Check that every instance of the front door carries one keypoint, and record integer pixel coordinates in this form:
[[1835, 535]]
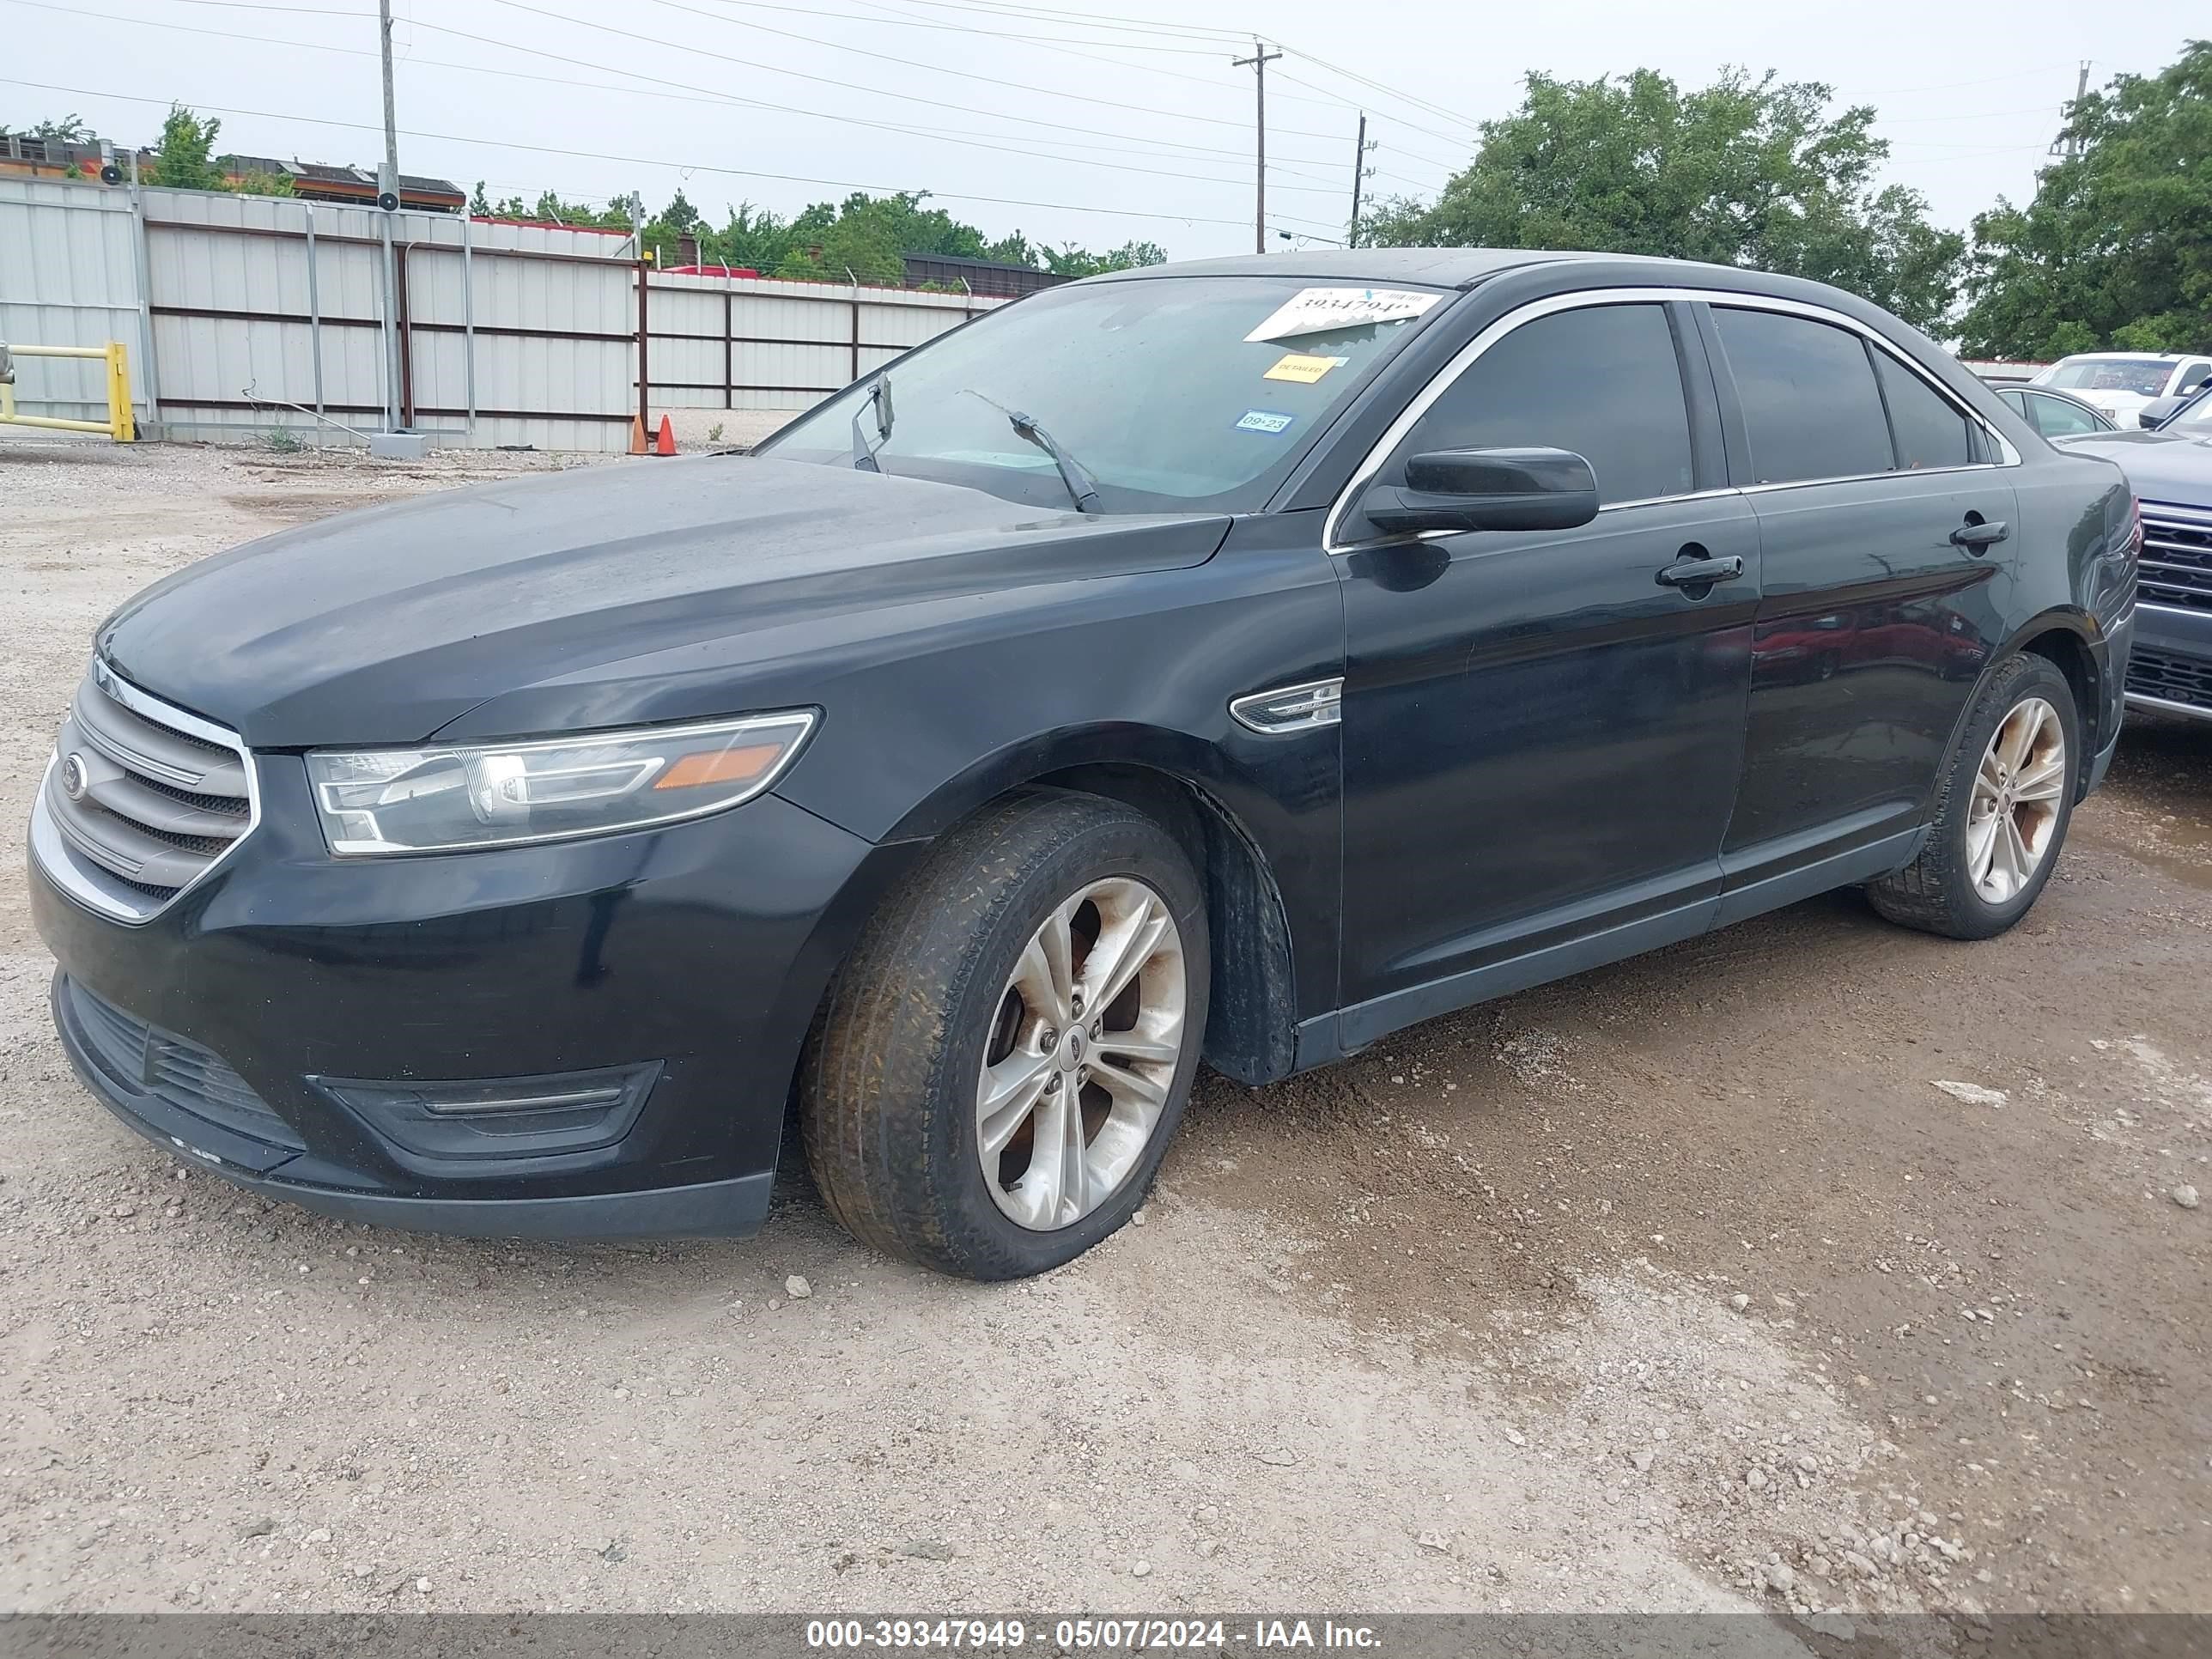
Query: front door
[[1541, 734]]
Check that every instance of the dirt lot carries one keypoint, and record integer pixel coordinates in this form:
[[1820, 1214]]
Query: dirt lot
[[1683, 1284]]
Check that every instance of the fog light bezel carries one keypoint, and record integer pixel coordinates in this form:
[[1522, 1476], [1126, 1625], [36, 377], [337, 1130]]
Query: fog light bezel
[[484, 1120]]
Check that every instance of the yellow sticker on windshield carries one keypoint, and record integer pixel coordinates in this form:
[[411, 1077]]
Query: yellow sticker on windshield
[[1297, 366]]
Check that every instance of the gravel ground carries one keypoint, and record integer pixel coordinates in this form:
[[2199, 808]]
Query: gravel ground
[[1812, 1266]]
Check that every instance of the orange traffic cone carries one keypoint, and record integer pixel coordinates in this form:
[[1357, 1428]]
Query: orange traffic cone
[[637, 434], [664, 442]]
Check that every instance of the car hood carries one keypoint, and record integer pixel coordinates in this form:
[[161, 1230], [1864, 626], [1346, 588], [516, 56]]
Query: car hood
[[385, 625], [2161, 466]]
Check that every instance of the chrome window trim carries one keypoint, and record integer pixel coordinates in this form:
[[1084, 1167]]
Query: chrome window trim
[[1582, 299], [51, 851]]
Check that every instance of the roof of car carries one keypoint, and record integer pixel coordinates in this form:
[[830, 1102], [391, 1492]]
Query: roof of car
[[1441, 267], [2121, 357]]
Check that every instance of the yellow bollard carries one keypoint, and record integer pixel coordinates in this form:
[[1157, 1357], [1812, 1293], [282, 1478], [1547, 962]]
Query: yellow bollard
[[120, 426]]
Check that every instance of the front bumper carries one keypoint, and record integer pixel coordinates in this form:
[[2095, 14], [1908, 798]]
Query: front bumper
[[2171, 672], [699, 950]]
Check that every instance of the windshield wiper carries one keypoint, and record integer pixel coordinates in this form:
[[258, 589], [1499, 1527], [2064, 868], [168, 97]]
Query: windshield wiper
[[878, 399], [1080, 484]]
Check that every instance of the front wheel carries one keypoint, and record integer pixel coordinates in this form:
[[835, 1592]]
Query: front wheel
[[999, 1068], [2001, 810]]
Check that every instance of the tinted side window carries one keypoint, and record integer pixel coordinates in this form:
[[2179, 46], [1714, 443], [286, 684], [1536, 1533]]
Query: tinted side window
[[2054, 417], [1601, 381], [1930, 431], [1811, 409]]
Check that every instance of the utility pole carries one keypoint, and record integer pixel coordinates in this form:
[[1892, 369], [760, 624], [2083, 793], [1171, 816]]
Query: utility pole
[[390, 182], [2071, 143], [1360, 172], [1258, 60]]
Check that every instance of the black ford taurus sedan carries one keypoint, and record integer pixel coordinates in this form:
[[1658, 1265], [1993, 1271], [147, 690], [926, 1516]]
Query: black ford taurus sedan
[[1235, 661]]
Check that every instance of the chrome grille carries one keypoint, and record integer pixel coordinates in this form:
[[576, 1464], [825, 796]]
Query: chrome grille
[[140, 800], [2170, 679], [2176, 566]]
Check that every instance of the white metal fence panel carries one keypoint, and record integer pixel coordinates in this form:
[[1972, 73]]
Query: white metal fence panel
[[262, 308], [68, 277], [538, 343], [246, 315], [756, 344]]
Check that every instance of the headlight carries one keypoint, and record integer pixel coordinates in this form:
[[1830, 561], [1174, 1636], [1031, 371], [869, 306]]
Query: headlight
[[449, 798]]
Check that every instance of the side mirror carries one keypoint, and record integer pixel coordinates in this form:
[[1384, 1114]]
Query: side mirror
[[2158, 411], [1487, 490]]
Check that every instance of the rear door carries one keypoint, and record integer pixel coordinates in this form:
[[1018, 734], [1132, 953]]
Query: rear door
[[1884, 522], [1540, 731]]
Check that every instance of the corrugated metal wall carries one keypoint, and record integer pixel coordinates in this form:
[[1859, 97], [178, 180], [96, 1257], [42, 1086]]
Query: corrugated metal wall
[[747, 342], [551, 314], [260, 309], [68, 277]]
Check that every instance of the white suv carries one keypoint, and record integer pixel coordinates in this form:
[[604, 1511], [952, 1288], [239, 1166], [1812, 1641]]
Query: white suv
[[2121, 382]]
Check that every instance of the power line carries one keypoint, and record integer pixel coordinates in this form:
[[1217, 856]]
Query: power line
[[629, 161], [1411, 126], [1881, 120], [1067, 19], [1983, 81], [1067, 49], [1198, 151], [1046, 14], [903, 62], [971, 29], [1388, 91], [816, 40], [995, 142]]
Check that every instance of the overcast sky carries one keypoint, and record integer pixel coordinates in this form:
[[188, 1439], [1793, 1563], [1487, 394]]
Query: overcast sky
[[1085, 130]]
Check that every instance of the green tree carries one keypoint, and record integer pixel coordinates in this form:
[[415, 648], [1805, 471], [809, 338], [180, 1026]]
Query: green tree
[[1073, 261], [69, 129], [184, 159], [2115, 251], [479, 203], [252, 184], [550, 208], [865, 238], [753, 240], [1744, 172]]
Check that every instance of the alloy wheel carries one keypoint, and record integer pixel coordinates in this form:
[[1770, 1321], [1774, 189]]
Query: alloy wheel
[[2012, 819], [1082, 1053]]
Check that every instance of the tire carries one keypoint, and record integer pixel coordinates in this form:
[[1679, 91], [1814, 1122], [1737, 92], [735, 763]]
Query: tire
[[1939, 891], [954, 973]]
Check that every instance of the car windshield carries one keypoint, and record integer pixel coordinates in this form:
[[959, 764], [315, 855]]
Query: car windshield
[[2145, 379], [1161, 394], [2195, 417]]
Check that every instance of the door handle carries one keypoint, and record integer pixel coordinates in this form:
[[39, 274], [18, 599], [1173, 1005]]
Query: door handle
[[1700, 572], [1976, 537]]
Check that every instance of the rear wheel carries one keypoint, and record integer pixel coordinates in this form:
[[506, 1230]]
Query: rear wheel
[[2001, 810], [999, 1069]]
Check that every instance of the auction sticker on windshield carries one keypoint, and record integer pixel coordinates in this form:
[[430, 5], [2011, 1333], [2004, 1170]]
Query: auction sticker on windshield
[[1319, 310], [1297, 366]]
